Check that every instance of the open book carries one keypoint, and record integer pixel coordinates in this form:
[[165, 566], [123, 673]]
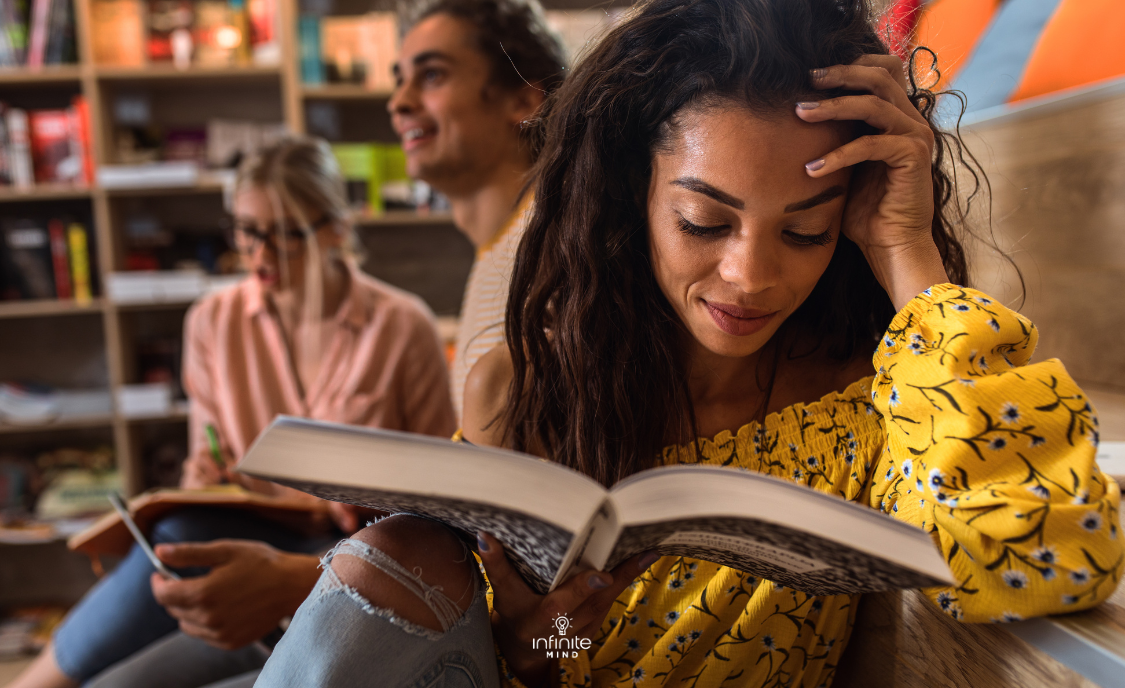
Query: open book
[[109, 536], [554, 521]]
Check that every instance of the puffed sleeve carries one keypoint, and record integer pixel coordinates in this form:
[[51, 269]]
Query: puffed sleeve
[[994, 457]]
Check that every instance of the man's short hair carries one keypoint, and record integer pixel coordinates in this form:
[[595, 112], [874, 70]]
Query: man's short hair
[[512, 34]]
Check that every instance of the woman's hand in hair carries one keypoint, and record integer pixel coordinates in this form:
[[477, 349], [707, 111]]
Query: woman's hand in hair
[[890, 207], [520, 615]]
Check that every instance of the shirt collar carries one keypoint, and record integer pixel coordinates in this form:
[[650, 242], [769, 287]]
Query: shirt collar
[[514, 218], [354, 311]]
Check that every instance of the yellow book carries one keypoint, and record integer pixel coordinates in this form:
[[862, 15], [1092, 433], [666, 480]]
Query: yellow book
[[79, 262]]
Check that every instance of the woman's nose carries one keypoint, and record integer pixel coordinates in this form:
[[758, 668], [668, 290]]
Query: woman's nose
[[750, 264]]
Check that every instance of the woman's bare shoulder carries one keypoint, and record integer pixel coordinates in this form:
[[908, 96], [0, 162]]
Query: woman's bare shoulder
[[486, 394]]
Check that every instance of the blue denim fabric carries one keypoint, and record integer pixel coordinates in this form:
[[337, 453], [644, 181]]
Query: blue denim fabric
[[119, 616], [337, 638]]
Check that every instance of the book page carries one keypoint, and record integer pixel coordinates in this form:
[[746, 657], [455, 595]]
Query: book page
[[793, 558], [535, 547]]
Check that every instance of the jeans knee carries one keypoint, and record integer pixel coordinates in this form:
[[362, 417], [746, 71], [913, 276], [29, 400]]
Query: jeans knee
[[414, 566], [183, 525]]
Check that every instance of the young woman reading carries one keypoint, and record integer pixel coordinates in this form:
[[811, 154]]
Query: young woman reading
[[736, 205]]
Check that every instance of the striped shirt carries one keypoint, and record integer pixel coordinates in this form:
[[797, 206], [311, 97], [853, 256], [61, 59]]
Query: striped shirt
[[486, 296]]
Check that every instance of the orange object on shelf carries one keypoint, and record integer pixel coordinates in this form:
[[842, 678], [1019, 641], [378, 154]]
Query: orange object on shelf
[[952, 28], [1080, 45]]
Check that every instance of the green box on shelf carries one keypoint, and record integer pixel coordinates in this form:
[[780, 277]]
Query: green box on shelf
[[360, 166]]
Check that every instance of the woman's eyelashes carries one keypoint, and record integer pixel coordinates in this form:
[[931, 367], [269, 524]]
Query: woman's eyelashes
[[693, 229], [822, 239]]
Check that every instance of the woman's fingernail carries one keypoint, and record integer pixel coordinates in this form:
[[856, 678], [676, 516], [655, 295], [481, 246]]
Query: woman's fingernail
[[814, 165], [482, 544], [809, 105], [818, 73], [648, 560], [597, 582]]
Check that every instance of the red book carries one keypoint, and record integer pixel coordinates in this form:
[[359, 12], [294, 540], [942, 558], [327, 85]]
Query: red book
[[59, 258], [49, 132], [79, 115]]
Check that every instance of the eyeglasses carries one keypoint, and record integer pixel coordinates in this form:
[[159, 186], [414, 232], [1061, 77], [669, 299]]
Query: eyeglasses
[[247, 237]]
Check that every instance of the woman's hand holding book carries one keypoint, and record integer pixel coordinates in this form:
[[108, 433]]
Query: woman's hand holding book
[[520, 615]]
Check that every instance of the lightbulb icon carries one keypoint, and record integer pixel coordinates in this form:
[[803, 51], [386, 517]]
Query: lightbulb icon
[[562, 622]]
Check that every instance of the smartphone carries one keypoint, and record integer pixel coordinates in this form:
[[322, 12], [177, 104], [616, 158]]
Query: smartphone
[[119, 505]]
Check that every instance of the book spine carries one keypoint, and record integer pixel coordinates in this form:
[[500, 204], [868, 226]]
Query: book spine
[[59, 258], [60, 34], [79, 263], [312, 66], [48, 134], [5, 149], [37, 41], [20, 148], [79, 120]]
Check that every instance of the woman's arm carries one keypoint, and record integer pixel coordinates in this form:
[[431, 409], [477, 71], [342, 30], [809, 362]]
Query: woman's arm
[[519, 614], [995, 459], [199, 469]]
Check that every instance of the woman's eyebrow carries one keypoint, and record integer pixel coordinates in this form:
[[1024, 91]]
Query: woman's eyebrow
[[699, 186], [822, 197]]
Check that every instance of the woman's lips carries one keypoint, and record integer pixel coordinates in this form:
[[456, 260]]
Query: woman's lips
[[738, 322], [266, 277]]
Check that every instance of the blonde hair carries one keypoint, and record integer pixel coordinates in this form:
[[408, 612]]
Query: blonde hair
[[302, 180], [302, 175]]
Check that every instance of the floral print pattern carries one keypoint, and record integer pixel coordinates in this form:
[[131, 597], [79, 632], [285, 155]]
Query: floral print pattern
[[957, 434]]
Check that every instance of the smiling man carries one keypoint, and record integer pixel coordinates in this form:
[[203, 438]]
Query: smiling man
[[469, 75]]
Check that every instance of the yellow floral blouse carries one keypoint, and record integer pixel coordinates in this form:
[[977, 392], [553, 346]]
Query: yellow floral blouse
[[957, 434]]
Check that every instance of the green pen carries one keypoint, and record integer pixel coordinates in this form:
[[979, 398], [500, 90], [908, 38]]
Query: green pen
[[216, 452]]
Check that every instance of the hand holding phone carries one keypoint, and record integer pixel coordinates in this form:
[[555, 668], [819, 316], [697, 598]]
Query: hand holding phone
[[123, 511]]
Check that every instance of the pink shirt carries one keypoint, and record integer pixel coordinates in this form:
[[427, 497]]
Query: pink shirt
[[383, 366]]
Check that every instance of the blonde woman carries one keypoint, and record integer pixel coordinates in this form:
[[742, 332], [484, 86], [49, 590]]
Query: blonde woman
[[305, 334]]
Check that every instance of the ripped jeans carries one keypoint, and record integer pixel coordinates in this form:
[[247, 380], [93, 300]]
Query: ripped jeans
[[337, 638]]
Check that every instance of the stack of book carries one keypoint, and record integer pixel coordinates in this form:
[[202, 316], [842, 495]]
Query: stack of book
[[349, 49], [44, 258], [45, 146], [211, 33], [34, 33]]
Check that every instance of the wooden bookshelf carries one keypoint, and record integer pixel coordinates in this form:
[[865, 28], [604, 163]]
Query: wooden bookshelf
[[342, 92], [75, 424], [191, 96], [168, 73], [401, 218], [48, 307], [56, 74], [43, 192]]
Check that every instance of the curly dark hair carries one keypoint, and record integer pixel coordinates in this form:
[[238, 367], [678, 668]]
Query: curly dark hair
[[512, 34], [600, 370]]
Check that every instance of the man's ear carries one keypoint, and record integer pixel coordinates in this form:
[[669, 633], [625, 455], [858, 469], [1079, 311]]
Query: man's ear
[[525, 103]]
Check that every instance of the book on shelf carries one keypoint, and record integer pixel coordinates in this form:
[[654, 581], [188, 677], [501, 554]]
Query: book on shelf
[[554, 521], [45, 35], [13, 33], [308, 39], [18, 145], [51, 150], [80, 275], [110, 536], [45, 146], [168, 22], [60, 259], [39, 261], [359, 49], [117, 32], [28, 264]]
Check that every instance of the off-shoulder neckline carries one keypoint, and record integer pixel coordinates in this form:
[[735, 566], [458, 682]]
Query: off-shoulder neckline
[[778, 418]]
